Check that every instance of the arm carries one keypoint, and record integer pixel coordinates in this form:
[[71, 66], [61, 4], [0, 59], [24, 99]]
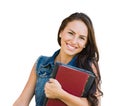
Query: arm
[[28, 91], [72, 100], [54, 90]]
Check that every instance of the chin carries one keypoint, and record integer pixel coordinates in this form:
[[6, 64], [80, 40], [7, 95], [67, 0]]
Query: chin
[[70, 53]]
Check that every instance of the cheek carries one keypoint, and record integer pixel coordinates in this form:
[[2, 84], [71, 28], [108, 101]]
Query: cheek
[[63, 40], [66, 36], [82, 44]]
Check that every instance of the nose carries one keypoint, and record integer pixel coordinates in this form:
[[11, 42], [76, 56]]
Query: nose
[[75, 40]]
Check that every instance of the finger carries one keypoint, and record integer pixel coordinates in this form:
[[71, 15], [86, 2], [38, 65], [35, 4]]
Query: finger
[[51, 80], [46, 85]]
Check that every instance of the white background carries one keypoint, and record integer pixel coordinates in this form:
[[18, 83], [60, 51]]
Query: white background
[[28, 28]]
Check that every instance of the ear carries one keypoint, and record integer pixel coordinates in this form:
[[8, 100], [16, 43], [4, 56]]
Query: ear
[[60, 35], [84, 46]]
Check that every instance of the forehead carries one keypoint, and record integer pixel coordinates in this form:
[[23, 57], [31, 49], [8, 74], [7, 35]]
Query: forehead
[[78, 26]]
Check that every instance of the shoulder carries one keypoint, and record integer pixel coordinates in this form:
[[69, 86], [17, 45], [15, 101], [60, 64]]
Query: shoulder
[[47, 59], [42, 60]]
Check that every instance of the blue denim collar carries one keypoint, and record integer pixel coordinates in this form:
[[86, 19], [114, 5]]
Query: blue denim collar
[[52, 58]]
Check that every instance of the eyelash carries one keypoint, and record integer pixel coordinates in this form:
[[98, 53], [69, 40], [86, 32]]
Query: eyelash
[[79, 37], [70, 33], [82, 38]]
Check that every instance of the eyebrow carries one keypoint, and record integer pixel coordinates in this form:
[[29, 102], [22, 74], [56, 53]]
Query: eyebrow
[[75, 33]]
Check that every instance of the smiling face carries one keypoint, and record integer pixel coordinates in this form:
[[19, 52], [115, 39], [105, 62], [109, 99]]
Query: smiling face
[[73, 38]]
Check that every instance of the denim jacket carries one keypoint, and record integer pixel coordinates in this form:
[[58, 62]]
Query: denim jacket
[[44, 67]]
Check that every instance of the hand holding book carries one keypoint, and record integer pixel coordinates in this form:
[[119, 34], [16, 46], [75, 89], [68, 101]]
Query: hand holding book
[[75, 81], [52, 88]]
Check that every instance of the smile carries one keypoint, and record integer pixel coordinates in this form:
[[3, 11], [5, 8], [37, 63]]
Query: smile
[[70, 47]]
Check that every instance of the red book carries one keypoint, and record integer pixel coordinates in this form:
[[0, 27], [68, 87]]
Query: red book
[[75, 81]]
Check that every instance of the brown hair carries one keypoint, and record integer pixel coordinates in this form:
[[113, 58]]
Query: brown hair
[[88, 55]]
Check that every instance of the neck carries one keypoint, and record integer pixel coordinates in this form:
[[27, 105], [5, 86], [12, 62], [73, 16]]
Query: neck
[[63, 58]]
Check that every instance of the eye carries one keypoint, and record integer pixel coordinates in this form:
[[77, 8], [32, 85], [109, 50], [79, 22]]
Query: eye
[[70, 33], [83, 38]]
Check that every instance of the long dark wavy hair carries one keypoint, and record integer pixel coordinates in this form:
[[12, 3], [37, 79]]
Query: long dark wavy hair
[[89, 55]]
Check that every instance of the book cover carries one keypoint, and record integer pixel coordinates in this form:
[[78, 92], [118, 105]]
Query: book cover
[[75, 81]]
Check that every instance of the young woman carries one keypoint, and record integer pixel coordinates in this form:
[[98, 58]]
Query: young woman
[[77, 48]]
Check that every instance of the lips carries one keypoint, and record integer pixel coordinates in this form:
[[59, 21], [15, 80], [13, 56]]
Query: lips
[[71, 47]]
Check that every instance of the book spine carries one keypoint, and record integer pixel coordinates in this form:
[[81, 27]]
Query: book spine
[[88, 86], [53, 75]]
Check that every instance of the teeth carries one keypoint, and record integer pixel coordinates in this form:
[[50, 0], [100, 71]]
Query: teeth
[[70, 47]]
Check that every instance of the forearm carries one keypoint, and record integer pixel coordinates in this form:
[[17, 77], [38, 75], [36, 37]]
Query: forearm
[[54, 90], [28, 91], [20, 102], [72, 100], [25, 97]]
